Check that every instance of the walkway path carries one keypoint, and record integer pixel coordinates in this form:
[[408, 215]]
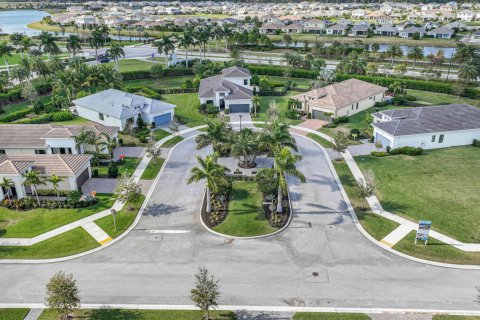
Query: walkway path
[[96, 232], [34, 314]]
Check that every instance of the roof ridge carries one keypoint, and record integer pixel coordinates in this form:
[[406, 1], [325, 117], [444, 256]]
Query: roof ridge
[[63, 160]]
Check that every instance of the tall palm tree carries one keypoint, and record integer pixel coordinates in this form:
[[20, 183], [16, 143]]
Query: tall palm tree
[[20, 73], [467, 72], [119, 28], [55, 181], [73, 44], [25, 45], [84, 137], [32, 179], [165, 45], [185, 40], [39, 66], [96, 42], [116, 52], [276, 136], [110, 143], [256, 103], [6, 51], [244, 147], [394, 51], [227, 33], [216, 134], [212, 172], [7, 185], [139, 30], [50, 47], [415, 54], [285, 162]]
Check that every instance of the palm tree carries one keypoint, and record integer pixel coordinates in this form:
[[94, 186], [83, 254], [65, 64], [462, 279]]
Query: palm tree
[[116, 52], [285, 165], [276, 136], [185, 40], [55, 181], [73, 44], [139, 30], [415, 54], [20, 73], [7, 184], [110, 143], [84, 137], [216, 134], [212, 172], [49, 45], [96, 42], [165, 45], [244, 147], [6, 51], [25, 45], [227, 33], [32, 180], [119, 29], [467, 72], [394, 51]]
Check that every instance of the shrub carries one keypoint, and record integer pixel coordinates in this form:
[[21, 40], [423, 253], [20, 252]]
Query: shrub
[[207, 108], [134, 75], [476, 143], [379, 153], [14, 94], [95, 173], [112, 169], [342, 119], [16, 115], [62, 116], [120, 141], [410, 151]]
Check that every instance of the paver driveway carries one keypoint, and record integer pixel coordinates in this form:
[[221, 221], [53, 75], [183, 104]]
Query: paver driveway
[[152, 267]]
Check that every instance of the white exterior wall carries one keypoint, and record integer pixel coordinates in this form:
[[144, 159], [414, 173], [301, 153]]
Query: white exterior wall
[[16, 151], [61, 143], [17, 180], [94, 116], [239, 81], [362, 105]]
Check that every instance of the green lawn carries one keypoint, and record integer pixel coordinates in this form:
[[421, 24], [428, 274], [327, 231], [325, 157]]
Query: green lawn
[[14, 107], [281, 104], [329, 316], [432, 98], [65, 244], [441, 185], [162, 83], [159, 134], [124, 218], [447, 317], [28, 224], [245, 213], [13, 314], [187, 108], [378, 227], [130, 314], [299, 82], [75, 120], [152, 169], [321, 141], [127, 65], [172, 142], [130, 140], [128, 167]]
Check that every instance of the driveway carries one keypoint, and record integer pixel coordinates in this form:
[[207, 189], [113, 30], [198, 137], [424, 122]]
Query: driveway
[[235, 117], [151, 265], [129, 152]]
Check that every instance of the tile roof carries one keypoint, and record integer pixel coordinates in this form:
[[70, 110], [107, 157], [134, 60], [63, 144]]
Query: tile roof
[[60, 164], [234, 72], [219, 83], [341, 94], [430, 119]]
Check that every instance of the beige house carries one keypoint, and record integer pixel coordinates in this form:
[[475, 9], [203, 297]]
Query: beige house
[[344, 98]]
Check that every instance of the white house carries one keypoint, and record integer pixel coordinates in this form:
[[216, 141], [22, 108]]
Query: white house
[[149, 10], [429, 127], [344, 98], [230, 90], [85, 20], [314, 25], [337, 29], [441, 33], [358, 13], [74, 168], [411, 31], [466, 15], [121, 109]]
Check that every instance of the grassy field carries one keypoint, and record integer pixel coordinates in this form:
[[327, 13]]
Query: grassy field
[[321, 141], [128, 167], [14, 107], [172, 142], [187, 108], [152, 169], [280, 103], [28, 224], [127, 65], [245, 213], [329, 316], [130, 140], [159, 134], [13, 314], [65, 244], [162, 83], [441, 185], [433, 98], [124, 218], [126, 314], [375, 225]]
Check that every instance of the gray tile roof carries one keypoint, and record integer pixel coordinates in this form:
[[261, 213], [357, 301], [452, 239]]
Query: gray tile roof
[[234, 72], [219, 83], [61, 164], [121, 105], [430, 119]]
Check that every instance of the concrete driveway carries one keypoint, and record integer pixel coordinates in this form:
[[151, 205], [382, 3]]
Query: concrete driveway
[[153, 266]]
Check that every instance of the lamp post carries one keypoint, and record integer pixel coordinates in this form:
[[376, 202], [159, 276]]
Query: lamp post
[[240, 121]]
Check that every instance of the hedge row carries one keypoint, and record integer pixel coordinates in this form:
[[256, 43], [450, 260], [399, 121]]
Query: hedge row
[[423, 85], [59, 116], [282, 71], [15, 115], [142, 74]]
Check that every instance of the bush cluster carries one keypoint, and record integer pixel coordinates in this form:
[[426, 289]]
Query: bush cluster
[[476, 143], [59, 116], [29, 203], [15, 115], [410, 151], [208, 108]]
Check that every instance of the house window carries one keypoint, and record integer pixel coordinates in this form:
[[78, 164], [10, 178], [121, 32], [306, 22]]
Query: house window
[[62, 150], [352, 106], [100, 116], [356, 107], [40, 151], [2, 151], [440, 138], [245, 82], [433, 138]]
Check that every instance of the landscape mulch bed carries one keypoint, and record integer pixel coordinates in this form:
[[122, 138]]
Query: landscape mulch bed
[[278, 220]]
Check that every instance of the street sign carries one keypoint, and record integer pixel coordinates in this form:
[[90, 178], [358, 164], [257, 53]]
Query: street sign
[[114, 213], [423, 230]]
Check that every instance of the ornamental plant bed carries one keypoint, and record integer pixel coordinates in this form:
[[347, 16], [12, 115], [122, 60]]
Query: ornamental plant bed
[[276, 220], [219, 209]]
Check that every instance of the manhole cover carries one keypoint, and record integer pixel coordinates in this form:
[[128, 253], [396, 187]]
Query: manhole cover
[[315, 274]]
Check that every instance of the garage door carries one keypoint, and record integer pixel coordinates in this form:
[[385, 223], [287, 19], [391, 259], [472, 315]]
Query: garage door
[[384, 140], [320, 115], [82, 177], [239, 108], [162, 119]]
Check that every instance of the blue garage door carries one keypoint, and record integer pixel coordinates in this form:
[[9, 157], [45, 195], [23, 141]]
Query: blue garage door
[[162, 119], [239, 108]]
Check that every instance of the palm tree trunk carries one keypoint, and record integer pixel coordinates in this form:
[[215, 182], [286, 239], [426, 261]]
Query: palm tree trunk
[[116, 62], [186, 57], [36, 194], [166, 60], [8, 196], [96, 56], [279, 199], [6, 64], [58, 195], [226, 44], [209, 202]]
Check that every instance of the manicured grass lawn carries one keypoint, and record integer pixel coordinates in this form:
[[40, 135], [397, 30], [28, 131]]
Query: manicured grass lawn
[[152, 169], [13, 314], [14, 107], [433, 98], [170, 143], [130, 140], [246, 217], [127, 65], [65, 244], [441, 185], [299, 82], [162, 83], [187, 108], [130, 314], [447, 317], [28, 224], [280, 102], [124, 218], [378, 227], [321, 141], [159, 134], [128, 167], [329, 316]]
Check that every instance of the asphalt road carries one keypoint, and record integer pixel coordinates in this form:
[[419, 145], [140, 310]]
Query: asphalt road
[[150, 267]]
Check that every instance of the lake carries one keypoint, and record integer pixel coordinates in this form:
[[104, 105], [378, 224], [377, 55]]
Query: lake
[[16, 20]]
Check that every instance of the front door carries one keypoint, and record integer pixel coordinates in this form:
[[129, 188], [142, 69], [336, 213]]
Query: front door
[[222, 104]]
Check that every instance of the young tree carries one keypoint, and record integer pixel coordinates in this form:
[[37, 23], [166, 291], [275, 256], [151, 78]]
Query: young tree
[[55, 181], [29, 92], [128, 191], [340, 142], [206, 292], [174, 126], [256, 103], [153, 152], [378, 145], [157, 71], [366, 187], [116, 52], [32, 179], [62, 294], [7, 184]]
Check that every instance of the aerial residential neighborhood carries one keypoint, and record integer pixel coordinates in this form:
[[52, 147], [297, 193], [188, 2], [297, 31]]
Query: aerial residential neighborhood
[[239, 160]]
